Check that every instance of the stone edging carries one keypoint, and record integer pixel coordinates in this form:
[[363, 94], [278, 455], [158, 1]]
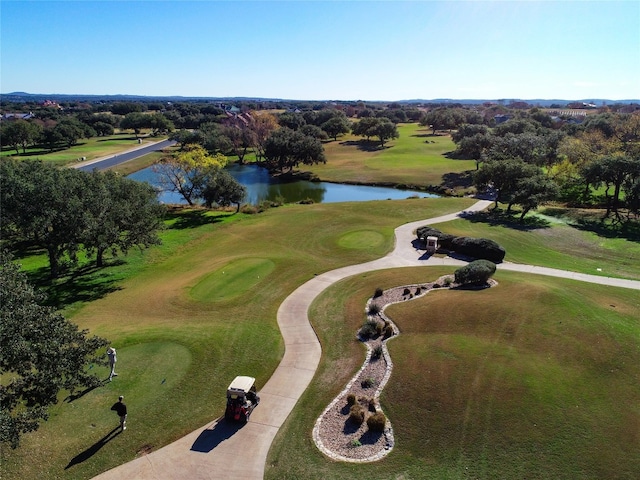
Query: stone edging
[[388, 433]]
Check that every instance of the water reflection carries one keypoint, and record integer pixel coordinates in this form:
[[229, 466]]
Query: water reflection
[[261, 186]]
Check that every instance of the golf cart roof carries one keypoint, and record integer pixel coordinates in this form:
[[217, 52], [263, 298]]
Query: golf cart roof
[[241, 384]]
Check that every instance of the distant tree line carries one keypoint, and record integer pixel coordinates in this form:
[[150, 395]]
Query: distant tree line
[[532, 159]]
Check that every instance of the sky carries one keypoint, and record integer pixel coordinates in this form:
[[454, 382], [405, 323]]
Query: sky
[[331, 50]]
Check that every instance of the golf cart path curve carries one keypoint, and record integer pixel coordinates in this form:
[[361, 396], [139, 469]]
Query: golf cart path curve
[[219, 450]]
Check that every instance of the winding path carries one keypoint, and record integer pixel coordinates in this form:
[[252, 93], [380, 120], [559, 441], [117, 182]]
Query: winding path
[[219, 450]]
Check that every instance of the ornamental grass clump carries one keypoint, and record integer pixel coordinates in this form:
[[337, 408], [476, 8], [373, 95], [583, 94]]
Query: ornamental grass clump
[[376, 422], [356, 414], [369, 329], [377, 352], [351, 399]]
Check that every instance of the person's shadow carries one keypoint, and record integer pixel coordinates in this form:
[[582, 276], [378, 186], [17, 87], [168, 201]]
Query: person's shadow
[[211, 438], [93, 449]]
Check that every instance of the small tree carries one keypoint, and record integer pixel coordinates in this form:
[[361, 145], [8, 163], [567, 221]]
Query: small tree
[[187, 172], [477, 272]]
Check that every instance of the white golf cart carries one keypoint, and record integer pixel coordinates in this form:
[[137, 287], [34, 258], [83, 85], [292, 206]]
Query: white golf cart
[[242, 398]]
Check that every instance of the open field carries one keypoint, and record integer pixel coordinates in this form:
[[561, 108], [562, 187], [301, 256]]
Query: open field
[[416, 158], [91, 148], [535, 378]]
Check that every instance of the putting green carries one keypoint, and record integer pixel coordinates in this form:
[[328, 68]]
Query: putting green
[[361, 239], [232, 280]]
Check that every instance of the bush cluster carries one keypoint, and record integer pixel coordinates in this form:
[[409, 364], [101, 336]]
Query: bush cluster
[[476, 272], [481, 248]]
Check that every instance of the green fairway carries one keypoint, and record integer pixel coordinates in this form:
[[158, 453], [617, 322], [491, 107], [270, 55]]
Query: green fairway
[[170, 299], [534, 378], [183, 332], [416, 158]]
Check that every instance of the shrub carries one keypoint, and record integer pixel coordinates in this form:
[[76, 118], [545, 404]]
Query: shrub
[[406, 291], [249, 209], [444, 239], [481, 248], [377, 422], [476, 272], [388, 331], [368, 382], [356, 414], [378, 293], [377, 352], [374, 309], [355, 443], [351, 399], [369, 329]]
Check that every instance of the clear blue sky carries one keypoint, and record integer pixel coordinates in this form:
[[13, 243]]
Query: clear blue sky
[[336, 50]]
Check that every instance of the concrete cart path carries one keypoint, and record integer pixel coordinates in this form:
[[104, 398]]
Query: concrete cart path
[[220, 450]]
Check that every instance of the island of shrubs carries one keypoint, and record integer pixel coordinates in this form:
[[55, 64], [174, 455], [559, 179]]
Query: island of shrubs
[[481, 248]]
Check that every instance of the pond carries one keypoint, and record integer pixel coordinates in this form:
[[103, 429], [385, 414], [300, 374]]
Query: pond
[[261, 186]]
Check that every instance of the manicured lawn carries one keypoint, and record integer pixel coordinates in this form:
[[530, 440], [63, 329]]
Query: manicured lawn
[[183, 334], [535, 378], [558, 245], [416, 158], [91, 148]]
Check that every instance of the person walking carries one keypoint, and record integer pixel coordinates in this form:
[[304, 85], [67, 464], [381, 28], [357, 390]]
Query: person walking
[[111, 353], [121, 409]]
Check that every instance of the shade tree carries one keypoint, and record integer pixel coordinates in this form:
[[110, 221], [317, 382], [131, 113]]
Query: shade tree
[[42, 355]]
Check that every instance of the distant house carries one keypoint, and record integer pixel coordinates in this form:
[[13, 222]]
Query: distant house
[[501, 118], [12, 117], [237, 119]]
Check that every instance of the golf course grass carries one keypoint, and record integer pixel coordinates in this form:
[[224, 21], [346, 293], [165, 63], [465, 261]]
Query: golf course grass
[[415, 159], [157, 301], [534, 378], [484, 383]]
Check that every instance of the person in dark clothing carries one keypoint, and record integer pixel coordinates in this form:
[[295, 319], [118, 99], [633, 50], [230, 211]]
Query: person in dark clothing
[[121, 409]]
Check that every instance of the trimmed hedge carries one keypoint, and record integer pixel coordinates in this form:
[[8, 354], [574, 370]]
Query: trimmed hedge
[[444, 239], [477, 272], [482, 248]]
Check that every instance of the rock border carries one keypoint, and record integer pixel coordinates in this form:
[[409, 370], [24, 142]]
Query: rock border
[[332, 433]]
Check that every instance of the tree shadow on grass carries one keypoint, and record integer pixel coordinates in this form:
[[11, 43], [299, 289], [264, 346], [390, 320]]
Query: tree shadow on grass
[[93, 449], [211, 438], [83, 284], [458, 180], [193, 219], [501, 218], [628, 230], [364, 145]]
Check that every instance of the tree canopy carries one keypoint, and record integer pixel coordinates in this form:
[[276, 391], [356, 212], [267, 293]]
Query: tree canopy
[[42, 353], [187, 172], [286, 149], [64, 210]]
